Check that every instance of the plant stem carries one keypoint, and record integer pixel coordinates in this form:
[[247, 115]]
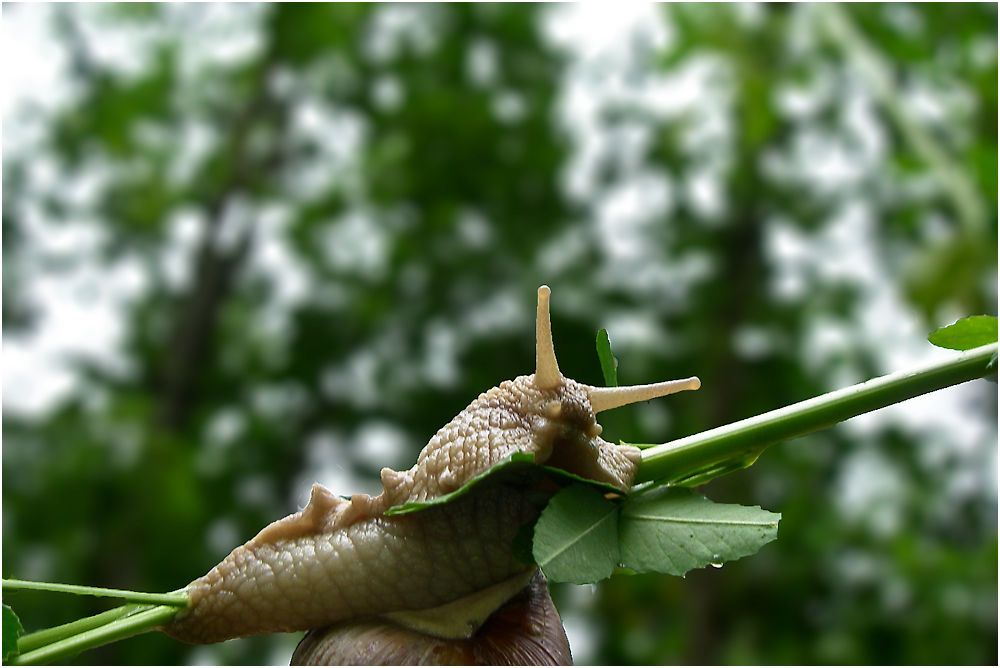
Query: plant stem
[[173, 598], [33, 641], [698, 458], [144, 619]]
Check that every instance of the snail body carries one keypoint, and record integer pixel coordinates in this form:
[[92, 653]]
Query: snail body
[[339, 560]]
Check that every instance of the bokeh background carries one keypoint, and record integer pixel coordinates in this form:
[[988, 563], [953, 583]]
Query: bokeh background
[[250, 247]]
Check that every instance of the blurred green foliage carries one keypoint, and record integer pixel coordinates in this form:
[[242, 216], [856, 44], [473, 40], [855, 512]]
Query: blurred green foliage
[[406, 166]]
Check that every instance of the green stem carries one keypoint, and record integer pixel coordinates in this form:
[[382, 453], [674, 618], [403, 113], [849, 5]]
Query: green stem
[[33, 641], [145, 619], [700, 457], [173, 598]]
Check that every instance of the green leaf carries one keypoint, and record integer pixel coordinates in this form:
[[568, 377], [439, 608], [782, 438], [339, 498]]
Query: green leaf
[[967, 333], [11, 630], [609, 365], [576, 538], [517, 470], [672, 530]]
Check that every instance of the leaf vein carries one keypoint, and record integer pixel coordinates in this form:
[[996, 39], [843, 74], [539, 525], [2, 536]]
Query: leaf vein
[[683, 520], [578, 539]]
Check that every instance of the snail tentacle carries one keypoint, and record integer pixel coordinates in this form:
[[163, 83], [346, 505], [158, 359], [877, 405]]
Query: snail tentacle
[[547, 374], [606, 398]]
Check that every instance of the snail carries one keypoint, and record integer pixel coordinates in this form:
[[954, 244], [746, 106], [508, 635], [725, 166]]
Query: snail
[[446, 572]]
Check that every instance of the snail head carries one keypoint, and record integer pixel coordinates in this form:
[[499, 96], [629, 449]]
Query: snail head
[[563, 413]]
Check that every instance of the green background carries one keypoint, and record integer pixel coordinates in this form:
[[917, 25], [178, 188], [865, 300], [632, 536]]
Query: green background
[[340, 230]]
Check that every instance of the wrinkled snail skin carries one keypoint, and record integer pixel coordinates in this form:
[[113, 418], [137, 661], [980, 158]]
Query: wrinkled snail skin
[[373, 566], [525, 631], [341, 559]]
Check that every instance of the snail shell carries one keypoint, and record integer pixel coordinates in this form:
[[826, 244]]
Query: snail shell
[[343, 559], [524, 631]]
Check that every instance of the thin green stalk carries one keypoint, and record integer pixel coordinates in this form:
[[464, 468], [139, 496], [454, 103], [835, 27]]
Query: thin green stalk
[[33, 641], [146, 619], [703, 456], [173, 598]]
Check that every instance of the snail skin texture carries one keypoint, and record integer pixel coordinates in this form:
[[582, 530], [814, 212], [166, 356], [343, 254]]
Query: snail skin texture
[[441, 571]]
